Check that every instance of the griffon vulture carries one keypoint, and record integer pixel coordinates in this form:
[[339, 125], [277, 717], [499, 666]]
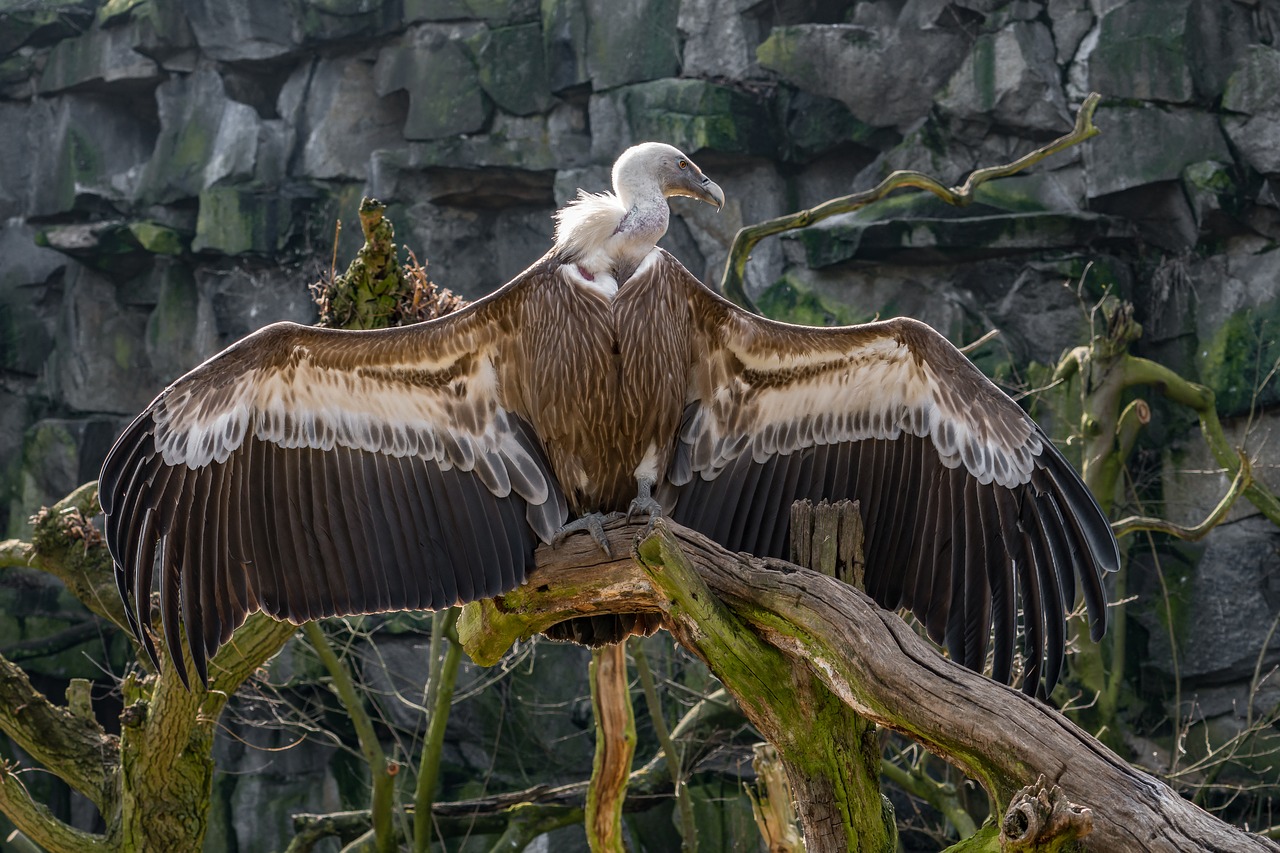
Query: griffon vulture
[[309, 472]]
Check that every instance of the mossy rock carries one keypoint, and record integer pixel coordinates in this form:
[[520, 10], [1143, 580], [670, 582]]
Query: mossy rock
[[109, 246], [172, 325], [237, 220], [80, 163], [24, 342], [493, 11], [564, 34], [445, 96], [338, 20], [842, 238], [1142, 52], [694, 115], [1143, 145], [526, 144], [115, 11], [158, 239], [788, 300], [513, 68], [814, 125], [98, 55], [16, 69], [43, 23], [1238, 356], [191, 113], [1255, 85], [631, 42]]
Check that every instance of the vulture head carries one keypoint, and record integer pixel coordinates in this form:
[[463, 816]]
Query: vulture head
[[611, 233], [655, 169]]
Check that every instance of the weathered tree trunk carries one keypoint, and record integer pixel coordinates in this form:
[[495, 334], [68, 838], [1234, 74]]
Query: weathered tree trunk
[[615, 746], [820, 628], [152, 784], [838, 796]]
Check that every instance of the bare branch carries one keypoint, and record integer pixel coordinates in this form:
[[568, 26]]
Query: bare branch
[[382, 772], [440, 689], [73, 747], [731, 283], [615, 746], [875, 664], [1136, 523], [38, 823]]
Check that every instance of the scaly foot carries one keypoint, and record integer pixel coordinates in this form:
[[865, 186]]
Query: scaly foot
[[645, 504], [593, 523]]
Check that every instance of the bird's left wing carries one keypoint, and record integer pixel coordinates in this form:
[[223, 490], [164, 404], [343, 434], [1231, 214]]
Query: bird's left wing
[[966, 502], [312, 472]]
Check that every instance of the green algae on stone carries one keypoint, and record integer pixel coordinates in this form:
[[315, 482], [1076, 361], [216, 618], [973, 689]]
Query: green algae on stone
[[631, 42], [97, 56], [45, 21], [171, 326], [492, 11], [1147, 144], [512, 67], [1142, 52], [445, 96], [815, 125], [1235, 361], [789, 301], [236, 220], [156, 238], [695, 114], [1254, 87]]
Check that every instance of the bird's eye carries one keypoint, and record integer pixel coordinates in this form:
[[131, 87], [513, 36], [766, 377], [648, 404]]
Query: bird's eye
[[683, 164]]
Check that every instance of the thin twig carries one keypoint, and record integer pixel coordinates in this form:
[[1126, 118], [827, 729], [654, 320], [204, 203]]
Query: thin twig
[[381, 774], [688, 826]]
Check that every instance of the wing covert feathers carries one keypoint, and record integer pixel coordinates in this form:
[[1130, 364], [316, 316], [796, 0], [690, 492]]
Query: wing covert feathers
[[310, 473], [969, 508]]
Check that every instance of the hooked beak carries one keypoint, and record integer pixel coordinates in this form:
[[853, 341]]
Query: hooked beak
[[711, 193], [699, 186]]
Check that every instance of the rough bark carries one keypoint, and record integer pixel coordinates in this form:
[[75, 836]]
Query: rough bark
[[773, 804], [166, 741], [615, 746], [838, 796], [873, 662], [151, 784]]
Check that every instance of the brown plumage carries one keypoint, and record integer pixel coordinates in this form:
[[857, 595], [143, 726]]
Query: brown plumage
[[310, 472]]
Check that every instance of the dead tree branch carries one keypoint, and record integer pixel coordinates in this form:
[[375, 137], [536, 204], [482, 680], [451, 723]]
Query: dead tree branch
[[872, 661], [731, 283]]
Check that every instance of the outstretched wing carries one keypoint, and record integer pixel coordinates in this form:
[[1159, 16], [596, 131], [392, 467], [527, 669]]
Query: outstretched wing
[[966, 502], [312, 472]]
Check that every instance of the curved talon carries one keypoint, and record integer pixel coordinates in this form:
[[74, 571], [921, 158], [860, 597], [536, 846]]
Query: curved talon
[[593, 523], [644, 505]]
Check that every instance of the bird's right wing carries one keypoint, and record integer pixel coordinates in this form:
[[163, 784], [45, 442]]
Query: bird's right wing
[[968, 505], [312, 472]]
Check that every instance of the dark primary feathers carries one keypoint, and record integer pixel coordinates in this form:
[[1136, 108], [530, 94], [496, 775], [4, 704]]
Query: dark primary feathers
[[310, 472]]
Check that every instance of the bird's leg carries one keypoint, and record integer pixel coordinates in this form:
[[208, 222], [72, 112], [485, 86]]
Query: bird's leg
[[644, 503], [593, 523]]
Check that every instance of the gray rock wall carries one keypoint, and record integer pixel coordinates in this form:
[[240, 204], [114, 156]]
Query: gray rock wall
[[173, 170]]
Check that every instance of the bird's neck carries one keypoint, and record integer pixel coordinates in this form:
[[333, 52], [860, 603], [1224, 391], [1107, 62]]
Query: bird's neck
[[610, 235], [640, 229]]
